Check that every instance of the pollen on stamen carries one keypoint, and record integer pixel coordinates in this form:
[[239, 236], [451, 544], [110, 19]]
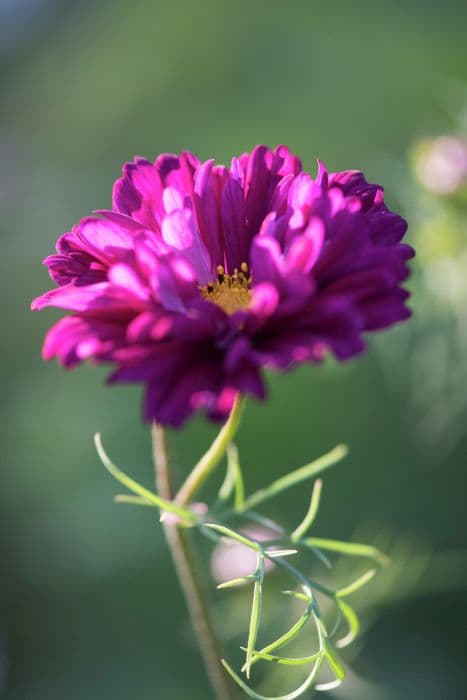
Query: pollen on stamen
[[232, 292]]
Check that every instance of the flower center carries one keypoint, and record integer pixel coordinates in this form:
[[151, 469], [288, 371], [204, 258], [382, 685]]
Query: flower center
[[230, 292]]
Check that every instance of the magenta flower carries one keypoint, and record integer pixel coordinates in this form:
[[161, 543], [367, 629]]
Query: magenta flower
[[202, 276]]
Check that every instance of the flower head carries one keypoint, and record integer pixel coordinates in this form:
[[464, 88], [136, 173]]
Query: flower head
[[201, 276]]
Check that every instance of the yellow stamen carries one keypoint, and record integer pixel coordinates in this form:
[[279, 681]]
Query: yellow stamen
[[230, 292]]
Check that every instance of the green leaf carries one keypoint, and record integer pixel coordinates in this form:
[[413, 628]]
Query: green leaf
[[234, 466], [307, 683], [272, 553], [353, 622], [305, 580], [234, 535], [132, 485], [356, 585], [287, 636], [233, 480], [227, 485], [133, 500], [234, 582], [286, 661], [336, 625], [296, 477], [255, 613], [351, 549], [299, 596], [311, 514], [210, 534], [334, 664], [332, 685]]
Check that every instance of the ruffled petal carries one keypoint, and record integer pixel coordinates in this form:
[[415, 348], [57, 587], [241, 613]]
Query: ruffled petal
[[74, 339]]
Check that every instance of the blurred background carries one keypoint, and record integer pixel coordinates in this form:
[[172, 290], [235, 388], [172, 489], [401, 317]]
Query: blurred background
[[89, 604]]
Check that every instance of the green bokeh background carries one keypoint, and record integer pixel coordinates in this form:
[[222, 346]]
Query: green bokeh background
[[89, 604]]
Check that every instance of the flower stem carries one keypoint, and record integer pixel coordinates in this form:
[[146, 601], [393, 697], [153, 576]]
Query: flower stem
[[212, 457], [181, 549]]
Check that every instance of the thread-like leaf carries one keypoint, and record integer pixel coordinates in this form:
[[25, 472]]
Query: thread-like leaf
[[296, 477], [353, 622], [351, 549], [311, 514], [234, 535], [234, 466], [356, 585], [299, 596], [332, 685], [234, 582], [272, 553], [132, 485], [227, 485], [334, 664], [305, 580], [286, 637], [133, 500], [255, 613], [307, 683], [233, 480], [284, 660]]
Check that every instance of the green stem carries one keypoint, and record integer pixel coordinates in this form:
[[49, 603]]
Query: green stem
[[180, 544], [212, 457]]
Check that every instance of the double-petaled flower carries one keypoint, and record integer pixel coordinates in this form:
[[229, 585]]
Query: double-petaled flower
[[201, 276]]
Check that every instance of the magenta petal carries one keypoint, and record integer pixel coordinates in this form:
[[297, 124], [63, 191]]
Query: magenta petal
[[234, 224], [266, 261], [104, 239], [264, 299], [179, 231], [124, 276], [75, 339], [127, 222], [96, 297], [306, 248], [207, 212]]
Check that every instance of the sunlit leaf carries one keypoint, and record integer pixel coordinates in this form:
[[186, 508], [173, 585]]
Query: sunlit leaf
[[356, 585], [233, 481], [351, 549], [307, 683], [334, 663], [286, 661], [272, 553], [233, 535], [311, 514], [255, 613], [139, 490], [235, 582], [332, 685], [296, 477], [287, 636], [299, 596], [133, 500], [353, 622]]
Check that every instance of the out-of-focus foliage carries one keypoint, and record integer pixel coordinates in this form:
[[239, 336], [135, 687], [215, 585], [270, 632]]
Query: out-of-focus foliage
[[88, 599]]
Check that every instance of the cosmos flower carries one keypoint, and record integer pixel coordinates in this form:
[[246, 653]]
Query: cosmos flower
[[202, 276]]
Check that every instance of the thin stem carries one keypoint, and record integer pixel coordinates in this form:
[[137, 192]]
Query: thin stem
[[181, 549], [212, 457]]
